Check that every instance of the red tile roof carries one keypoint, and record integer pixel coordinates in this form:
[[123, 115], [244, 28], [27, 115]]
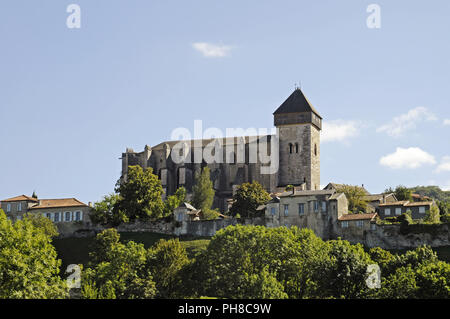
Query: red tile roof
[[54, 203], [20, 198]]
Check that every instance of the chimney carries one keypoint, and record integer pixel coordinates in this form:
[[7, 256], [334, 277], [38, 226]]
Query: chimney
[[384, 198]]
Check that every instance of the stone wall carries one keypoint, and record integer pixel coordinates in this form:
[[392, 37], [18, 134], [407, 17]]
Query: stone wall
[[208, 228], [392, 237]]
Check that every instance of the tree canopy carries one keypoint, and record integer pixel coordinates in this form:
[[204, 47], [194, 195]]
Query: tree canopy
[[29, 267], [247, 199]]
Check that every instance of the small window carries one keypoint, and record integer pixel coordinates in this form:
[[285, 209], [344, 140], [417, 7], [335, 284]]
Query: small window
[[422, 209], [315, 149], [77, 215], [373, 226], [359, 223], [19, 207], [296, 147], [56, 217], [398, 211], [67, 216], [387, 211], [48, 215], [301, 209], [273, 211], [8, 208], [286, 210], [316, 206], [324, 206], [290, 148], [344, 224]]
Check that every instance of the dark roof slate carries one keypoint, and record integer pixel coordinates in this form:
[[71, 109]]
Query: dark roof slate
[[296, 103]]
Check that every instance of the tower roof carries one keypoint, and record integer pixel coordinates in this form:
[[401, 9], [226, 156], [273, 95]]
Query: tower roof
[[296, 103]]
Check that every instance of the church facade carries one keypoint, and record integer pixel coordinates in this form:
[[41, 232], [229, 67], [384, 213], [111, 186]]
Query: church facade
[[295, 147]]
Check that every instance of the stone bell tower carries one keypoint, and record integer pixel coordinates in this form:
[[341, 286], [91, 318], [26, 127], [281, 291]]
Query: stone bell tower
[[299, 126]]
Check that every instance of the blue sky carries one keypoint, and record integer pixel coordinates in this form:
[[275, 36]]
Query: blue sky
[[72, 100]]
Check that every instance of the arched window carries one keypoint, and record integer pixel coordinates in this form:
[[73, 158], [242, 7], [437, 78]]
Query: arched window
[[296, 147], [290, 148]]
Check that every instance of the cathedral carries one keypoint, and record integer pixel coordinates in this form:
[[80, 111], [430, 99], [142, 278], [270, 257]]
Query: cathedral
[[295, 147]]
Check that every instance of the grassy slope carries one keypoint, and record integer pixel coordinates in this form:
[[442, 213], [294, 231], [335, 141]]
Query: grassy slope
[[76, 250]]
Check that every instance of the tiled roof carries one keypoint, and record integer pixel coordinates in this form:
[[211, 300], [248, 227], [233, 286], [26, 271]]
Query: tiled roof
[[307, 193], [357, 217], [20, 198], [407, 203], [296, 103], [54, 203], [399, 203], [419, 204]]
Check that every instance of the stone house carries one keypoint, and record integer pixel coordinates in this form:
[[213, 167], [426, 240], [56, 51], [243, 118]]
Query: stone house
[[394, 209], [374, 201], [63, 210], [186, 212], [357, 224], [318, 210]]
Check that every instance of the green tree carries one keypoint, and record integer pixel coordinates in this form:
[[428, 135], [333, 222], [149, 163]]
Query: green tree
[[203, 191], [168, 258], [403, 193], [39, 221], [236, 257], [105, 212], [432, 216], [355, 196], [118, 270], [174, 201], [433, 280], [346, 273], [247, 199], [140, 194], [29, 267]]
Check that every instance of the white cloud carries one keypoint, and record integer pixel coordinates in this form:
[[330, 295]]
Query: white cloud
[[210, 50], [447, 122], [444, 166], [339, 131], [405, 122], [410, 158]]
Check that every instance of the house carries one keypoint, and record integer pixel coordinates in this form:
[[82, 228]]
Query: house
[[358, 222], [186, 212], [421, 198], [61, 210], [394, 209], [318, 210], [374, 200]]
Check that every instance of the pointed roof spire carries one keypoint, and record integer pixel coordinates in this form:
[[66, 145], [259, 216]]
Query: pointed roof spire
[[296, 103]]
